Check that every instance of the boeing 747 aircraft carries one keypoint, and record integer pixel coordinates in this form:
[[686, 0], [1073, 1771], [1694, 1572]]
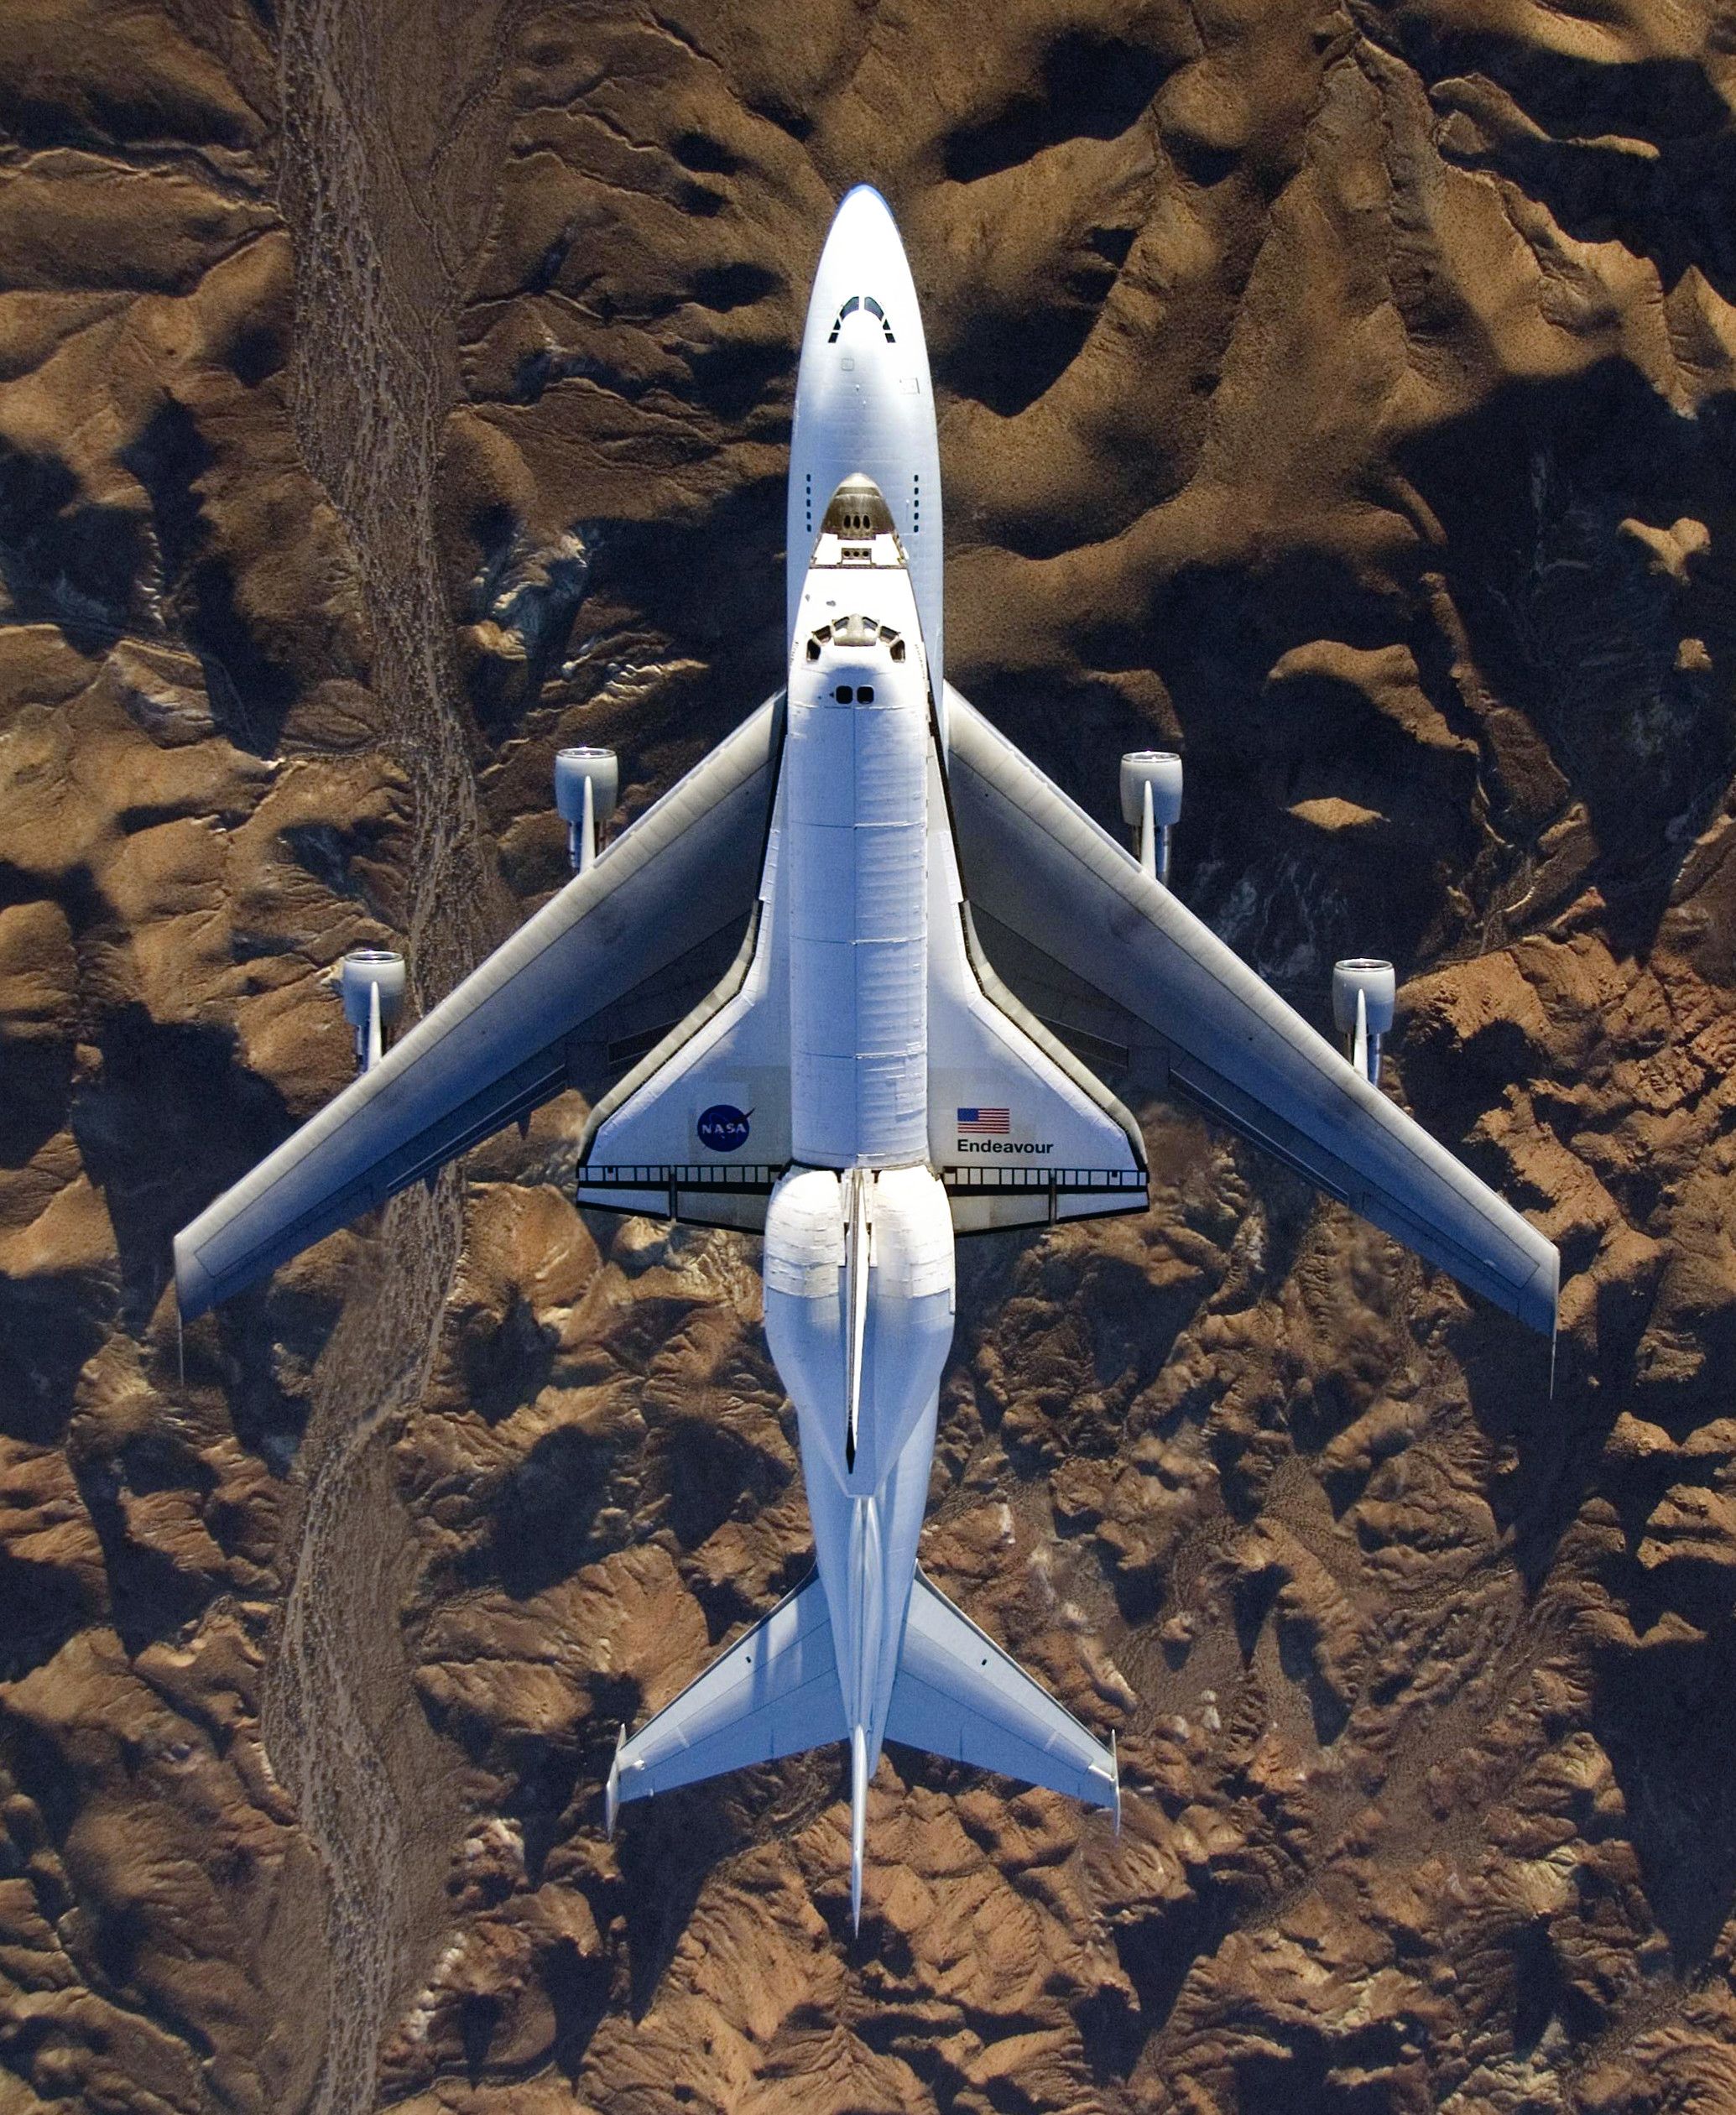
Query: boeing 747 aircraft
[[829, 989]]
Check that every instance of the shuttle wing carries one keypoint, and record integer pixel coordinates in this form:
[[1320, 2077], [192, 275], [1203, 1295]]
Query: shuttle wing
[[699, 1128], [1018, 1130], [599, 972], [1102, 952]]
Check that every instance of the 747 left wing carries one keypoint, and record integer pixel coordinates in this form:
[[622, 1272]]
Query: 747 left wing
[[598, 973]]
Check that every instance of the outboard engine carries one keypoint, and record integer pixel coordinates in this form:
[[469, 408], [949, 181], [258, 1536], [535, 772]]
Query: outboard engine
[[1151, 805], [1364, 991], [586, 783], [371, 982]]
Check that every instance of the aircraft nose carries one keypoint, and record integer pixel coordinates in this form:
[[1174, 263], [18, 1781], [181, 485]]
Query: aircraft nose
[[862, 202], [862, 229]]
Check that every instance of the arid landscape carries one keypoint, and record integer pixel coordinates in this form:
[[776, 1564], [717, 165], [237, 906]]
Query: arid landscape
[[1344, 394]]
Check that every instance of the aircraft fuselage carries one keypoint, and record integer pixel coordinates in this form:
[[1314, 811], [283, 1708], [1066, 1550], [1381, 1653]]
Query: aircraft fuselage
[[859, 1259]]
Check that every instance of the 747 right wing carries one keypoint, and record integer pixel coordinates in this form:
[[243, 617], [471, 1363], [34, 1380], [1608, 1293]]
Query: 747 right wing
[[1091, 943]]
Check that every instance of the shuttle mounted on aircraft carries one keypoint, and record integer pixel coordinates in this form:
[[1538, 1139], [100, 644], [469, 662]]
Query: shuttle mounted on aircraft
[[830, 989]]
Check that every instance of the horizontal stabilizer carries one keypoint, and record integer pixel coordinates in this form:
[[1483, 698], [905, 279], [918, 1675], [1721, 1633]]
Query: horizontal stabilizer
[[957, 1694], [774, 1692]]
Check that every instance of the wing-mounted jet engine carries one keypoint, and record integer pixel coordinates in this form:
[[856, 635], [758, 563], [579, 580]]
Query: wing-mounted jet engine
[[1364, 995], [1151, 805], [839, 985], [586, 785], [371, 982]]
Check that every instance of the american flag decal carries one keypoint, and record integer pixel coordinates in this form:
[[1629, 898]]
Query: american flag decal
[[991, 1122]]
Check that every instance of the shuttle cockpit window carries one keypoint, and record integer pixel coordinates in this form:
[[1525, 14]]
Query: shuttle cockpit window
[[858, 632]]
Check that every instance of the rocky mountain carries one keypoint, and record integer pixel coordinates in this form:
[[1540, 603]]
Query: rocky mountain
[[1345, 393]]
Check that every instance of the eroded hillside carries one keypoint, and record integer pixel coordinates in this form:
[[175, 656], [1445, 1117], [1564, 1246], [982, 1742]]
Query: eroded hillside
[[389, 395]]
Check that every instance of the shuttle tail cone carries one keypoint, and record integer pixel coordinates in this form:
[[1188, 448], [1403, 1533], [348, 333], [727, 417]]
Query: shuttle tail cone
[[858, 1819]]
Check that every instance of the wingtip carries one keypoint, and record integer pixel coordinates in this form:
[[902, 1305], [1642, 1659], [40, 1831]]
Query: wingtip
[[193, 1293], [1538, 1302], [1115, 1767], [612, 1791]]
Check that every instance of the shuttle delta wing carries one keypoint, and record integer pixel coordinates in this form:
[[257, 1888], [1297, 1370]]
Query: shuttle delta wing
[[1108, 956], [611, 961], [1020, 1132], [698, 1130], [957, 1694], [774, 1692]]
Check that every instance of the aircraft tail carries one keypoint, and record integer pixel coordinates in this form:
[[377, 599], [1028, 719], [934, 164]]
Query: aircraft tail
[[776, 1692], [957, 1694]]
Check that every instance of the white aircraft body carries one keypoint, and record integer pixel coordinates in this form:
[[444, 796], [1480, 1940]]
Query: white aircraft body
[[824, 1054]]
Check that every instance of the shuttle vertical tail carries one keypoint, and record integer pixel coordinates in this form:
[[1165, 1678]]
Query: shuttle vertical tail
[[858, 1820]]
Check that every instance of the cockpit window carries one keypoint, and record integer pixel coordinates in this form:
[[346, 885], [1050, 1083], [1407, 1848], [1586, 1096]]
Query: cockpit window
[[861, 301], [856, 630]]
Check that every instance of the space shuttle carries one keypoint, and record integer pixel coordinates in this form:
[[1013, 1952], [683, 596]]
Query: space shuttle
[[832, 990]]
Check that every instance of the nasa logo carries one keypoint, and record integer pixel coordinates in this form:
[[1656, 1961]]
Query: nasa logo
[[723, 1128]]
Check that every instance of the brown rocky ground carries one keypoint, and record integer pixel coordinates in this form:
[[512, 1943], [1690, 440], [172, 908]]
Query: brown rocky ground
[[389, 394]]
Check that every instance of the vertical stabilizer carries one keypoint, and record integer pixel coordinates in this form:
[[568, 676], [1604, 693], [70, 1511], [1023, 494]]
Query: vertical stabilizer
[[858, 1819], [856, 1258]]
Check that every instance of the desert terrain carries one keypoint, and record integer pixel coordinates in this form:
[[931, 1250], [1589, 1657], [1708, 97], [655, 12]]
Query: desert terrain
[[1342, 393]]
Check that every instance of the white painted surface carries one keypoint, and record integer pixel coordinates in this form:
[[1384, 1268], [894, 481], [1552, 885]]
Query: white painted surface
[[862, 403]]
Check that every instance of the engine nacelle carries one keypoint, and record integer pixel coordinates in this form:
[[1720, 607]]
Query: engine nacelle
[[370, 981], [587, 783], [1364, 993], [1151, 805]]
